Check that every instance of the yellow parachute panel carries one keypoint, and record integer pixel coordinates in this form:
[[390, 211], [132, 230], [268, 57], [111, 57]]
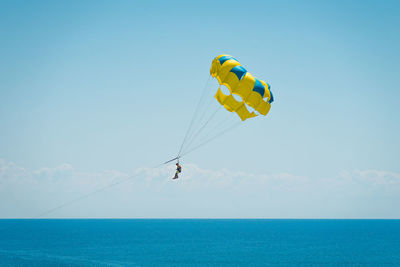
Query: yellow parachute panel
[[232, 105], [244, 87]]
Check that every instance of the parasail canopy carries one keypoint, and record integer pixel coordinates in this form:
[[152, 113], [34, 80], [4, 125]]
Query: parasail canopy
[[254, 92]]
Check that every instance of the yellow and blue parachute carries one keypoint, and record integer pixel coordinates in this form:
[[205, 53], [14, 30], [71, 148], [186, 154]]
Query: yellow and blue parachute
[[246, 96], [254, 92]]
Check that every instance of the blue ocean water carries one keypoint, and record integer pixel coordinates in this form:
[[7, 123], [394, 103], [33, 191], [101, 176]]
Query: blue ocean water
[[198, 242]]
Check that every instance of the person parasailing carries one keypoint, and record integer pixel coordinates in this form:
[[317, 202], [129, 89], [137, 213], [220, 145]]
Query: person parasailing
[[178, 170]]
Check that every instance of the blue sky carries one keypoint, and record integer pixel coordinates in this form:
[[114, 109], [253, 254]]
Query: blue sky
[[99, 86]]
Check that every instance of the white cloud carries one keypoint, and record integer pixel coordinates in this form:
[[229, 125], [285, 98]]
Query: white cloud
[[199, 192], [375, 177]]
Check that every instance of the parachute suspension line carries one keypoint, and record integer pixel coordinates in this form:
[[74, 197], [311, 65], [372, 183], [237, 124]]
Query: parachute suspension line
[[194, 115], [203, 126], [219, 126], [212, 138], [208, 131], [203, 110]]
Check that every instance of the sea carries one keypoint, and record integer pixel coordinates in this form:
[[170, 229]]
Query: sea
[[199, 242]]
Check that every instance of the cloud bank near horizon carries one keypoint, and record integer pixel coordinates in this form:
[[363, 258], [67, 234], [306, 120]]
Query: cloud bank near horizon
[[199, 193]]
